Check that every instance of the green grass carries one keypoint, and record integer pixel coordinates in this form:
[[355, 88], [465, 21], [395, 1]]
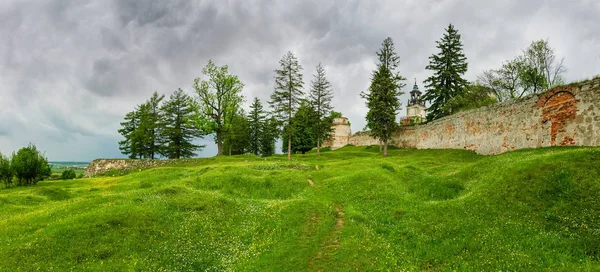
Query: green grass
[[438, 210]]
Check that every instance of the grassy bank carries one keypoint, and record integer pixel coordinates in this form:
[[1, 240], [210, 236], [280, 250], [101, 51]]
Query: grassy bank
[[349, 209]]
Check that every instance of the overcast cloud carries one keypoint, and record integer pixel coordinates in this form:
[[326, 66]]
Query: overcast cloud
[[71, 69]]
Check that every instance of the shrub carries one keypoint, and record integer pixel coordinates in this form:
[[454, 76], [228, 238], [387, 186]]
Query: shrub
[[68, 174], [80, 176], [29, 166], [6, 175]]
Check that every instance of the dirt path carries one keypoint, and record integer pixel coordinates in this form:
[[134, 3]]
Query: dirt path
[[329, 244]]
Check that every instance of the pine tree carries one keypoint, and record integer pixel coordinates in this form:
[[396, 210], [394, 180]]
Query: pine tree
[[132, 146], [287, 95], [304, 126], [268, 137], [178, 126], [256, 120], [448, 67], [321, 95], [383, 95], [154, 142]]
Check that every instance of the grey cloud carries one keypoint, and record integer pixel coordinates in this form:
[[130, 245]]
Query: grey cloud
[[70, 70]]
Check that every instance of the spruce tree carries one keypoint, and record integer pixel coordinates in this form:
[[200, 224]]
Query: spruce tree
[[287, 95], [448, 67], [178, 126], [154, 142], [320, 96], [383, 95], [268, 137], [256, 119], [132, 145]]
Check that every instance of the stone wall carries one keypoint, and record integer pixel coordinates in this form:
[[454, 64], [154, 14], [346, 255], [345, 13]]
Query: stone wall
[[101, 166], [563, 116]]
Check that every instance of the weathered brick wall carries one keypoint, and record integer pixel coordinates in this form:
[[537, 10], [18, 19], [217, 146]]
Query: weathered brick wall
[[563, 116]]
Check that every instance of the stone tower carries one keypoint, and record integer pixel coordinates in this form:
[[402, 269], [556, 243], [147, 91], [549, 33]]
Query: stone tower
[[341, 133], [416, 112]]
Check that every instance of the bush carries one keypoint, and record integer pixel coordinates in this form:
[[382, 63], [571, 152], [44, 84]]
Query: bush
[[80, 176], [29, 166], [68, 174], [6, 175]]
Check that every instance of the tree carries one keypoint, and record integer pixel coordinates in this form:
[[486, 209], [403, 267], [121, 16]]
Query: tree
[[179, 128], [132, 145], [256, 119], [303, 125], [29, 166], [268, 136], [542, 61], [6, 174], [151, 120], [474, 96], [68, 174], [218, 97], [237, 140], [287, 95], [321, 95], [382, 98], [448, 67]]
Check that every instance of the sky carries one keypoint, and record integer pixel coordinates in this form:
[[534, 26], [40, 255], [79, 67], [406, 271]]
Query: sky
[[71, 69]]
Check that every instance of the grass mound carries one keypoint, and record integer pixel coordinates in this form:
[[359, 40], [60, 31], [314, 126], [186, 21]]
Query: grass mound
[[348, 209]]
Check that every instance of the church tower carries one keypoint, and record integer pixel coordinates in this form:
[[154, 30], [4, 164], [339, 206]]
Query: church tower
[[416, 112]]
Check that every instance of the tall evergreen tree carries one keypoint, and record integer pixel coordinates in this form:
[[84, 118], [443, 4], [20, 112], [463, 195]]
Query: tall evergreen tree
[[219, 98], [256, 119], [237, 140], [154, 145], [383, 95], [132, 145], [178, 126], [268, 136], [287, 95], [320, 96], [448, 67]]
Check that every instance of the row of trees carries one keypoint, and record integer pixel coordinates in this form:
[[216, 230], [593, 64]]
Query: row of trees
[[27, 166], [447, 91], [160, 128]]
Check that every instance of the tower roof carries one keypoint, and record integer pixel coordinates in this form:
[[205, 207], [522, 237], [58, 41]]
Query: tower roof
[[415, 88]]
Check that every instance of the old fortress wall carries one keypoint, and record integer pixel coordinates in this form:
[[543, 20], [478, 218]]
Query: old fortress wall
[[563, 116]]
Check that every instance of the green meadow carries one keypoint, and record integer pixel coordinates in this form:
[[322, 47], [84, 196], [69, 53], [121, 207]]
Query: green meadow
[[347, 210]]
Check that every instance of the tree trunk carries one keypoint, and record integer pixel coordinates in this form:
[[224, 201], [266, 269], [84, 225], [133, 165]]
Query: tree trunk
[[385, 144], [229, 149], [290, 148], [318, 146], [380, 146], [219, 143]]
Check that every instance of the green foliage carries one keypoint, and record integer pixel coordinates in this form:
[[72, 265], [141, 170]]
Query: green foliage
[[448, 67], [68, 174], [320, 97], [256, 120], [382, 98], [415, 210], [268, 137], [141, 130], [534, 71], [474, 96], [219, 99], [287, 95], [304, 128], [237, 140], [179, 128], [29, 166], [6, 174]]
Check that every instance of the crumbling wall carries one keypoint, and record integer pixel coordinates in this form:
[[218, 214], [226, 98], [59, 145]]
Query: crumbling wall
[[101, 166], [563, 116]]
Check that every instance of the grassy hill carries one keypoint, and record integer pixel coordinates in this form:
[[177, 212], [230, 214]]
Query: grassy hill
[[439, 210]]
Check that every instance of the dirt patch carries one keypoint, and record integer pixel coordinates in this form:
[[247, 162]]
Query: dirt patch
[[311, 183]]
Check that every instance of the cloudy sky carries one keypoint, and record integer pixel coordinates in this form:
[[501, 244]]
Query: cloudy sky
[[71, 69]]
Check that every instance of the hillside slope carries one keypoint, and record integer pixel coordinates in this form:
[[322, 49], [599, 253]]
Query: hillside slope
[[349, 209]]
